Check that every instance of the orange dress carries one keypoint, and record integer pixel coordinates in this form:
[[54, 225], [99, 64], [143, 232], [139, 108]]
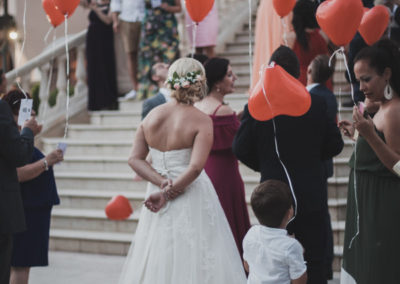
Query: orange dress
[[268, 36]]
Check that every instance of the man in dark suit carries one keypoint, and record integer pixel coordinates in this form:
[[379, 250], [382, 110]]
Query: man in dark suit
[[158, 75], [15, 151], [303, 142]]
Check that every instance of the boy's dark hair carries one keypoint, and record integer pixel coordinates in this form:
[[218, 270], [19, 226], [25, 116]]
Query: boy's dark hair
[[270, 202]]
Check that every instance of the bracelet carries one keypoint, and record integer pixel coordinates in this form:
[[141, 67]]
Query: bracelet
[[165, 194], [396, 168], [46, 165]]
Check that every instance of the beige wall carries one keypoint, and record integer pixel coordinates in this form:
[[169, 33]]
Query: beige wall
[[37, 25]]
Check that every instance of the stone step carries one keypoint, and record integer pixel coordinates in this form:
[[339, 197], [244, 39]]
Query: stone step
[[115, 117], [347, 149], [337, 260], [112, 164], [240, 46], [90, 199], [118, 164], [90, 241], [121, 182], [117, 243], [337, 187], [100, 132], [96, 156], [341, 167], [91, 220], [337, 208], [90, 147], [126, 131]]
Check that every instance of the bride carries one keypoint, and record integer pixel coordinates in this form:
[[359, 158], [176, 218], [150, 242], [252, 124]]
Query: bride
[[183, 236]]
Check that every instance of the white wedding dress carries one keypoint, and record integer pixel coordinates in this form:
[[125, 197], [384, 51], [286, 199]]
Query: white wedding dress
[[189, 240]]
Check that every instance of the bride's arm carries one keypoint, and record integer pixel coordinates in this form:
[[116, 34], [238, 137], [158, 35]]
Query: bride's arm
[[201, 149], [137, 160]]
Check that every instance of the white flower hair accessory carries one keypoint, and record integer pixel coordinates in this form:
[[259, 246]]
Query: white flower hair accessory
[[175, 82]]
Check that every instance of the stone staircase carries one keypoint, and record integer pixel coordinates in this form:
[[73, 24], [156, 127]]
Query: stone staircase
[[95, 169]]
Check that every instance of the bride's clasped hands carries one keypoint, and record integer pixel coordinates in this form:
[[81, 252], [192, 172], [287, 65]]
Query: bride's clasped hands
[[157, 200]]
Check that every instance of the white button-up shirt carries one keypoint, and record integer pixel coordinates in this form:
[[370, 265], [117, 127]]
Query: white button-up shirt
[[130, 10], [273, 256], [166, 93]]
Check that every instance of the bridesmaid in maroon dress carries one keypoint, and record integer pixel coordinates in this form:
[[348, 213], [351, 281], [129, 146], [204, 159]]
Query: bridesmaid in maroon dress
[[222, 166]]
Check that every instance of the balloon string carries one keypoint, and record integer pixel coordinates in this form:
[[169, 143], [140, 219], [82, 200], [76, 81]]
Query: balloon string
[[194, 33], [50, 77], [22, 50], [341, 52], [250, 42], [340, 93], [47, 35], [262, 71], [284, 31], [67, 54]]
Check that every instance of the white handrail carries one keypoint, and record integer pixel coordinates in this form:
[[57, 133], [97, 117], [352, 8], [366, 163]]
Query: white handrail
[[43, 58], [51, 116]]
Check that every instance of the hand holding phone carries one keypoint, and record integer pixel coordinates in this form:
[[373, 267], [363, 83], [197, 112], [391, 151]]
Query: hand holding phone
[[361, 107]]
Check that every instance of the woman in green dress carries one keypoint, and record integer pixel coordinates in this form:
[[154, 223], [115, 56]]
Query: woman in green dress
[[371, 246], [159, 40]]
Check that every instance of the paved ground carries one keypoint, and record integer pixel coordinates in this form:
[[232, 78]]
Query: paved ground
[[79, 268]]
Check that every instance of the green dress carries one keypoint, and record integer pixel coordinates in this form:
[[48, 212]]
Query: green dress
[[159, 43], [374, 255]]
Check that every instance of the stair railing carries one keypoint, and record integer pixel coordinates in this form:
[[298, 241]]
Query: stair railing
[[53, 115]]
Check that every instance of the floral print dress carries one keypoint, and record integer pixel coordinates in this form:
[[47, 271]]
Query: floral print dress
[[159, 43]]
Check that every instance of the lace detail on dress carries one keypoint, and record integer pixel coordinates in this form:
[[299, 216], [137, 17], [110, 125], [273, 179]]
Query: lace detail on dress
[[185, 227], [208, 260]]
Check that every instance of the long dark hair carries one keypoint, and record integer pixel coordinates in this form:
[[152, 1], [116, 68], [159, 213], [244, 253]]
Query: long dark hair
[[383, 54], [303, 18]]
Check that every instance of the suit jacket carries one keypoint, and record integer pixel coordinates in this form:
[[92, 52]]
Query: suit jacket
[[15, 151], [304, 142], [332, 106], [151, 103]]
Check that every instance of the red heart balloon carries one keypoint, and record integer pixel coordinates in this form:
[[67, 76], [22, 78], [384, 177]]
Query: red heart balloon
[[374, 23], [286, 95], [66, 7], [54, 16], [199, 9], [340, 19], [118, 208], [283, 7]]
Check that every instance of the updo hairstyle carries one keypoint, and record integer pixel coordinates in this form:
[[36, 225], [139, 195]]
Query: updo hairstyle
[[195, 91], [383, 54]]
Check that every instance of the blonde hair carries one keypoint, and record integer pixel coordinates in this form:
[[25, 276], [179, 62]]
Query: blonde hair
[[195, 91]]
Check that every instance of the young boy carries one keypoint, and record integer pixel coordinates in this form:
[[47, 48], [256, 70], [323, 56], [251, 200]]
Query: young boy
[[270, 255]]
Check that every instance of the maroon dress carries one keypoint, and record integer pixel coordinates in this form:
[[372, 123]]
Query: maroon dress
[[223, 169]]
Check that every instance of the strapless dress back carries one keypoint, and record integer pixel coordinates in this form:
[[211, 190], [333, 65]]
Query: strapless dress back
[[189, 240]]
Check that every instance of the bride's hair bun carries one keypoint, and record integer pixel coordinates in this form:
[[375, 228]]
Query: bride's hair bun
[[186, 79]]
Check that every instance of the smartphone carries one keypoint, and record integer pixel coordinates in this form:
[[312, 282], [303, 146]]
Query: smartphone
[[361, 107]]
